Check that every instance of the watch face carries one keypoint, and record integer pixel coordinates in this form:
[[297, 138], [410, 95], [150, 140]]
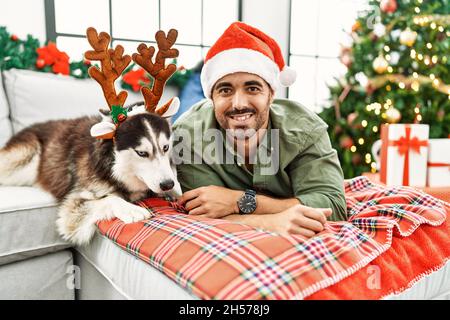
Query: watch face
[[247, 204]]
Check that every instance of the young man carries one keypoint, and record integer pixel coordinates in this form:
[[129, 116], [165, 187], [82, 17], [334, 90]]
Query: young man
[[273, 166]]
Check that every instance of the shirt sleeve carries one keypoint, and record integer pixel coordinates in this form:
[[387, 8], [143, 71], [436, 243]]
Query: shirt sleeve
[[192, 176], [317, 178]]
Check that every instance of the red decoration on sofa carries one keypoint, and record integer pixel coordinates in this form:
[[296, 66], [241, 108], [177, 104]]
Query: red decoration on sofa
[[53, 57], [136, 79]]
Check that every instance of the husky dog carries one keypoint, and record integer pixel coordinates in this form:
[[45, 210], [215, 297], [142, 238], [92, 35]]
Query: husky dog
[[96, 169], [93, 179]]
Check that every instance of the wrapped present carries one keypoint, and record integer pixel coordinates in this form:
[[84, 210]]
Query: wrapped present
[[404, 154], [438, 174]]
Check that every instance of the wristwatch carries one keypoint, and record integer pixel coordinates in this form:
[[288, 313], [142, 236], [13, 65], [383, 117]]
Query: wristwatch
[[247, 203]]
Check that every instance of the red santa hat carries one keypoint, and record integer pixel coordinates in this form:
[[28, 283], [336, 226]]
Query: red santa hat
[[243, 48]]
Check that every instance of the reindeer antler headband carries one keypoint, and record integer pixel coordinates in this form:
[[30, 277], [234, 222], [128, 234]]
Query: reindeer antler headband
[[113, 62]]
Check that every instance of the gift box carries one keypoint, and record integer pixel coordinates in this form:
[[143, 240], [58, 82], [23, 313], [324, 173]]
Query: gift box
[[404, 154], [438, 174]]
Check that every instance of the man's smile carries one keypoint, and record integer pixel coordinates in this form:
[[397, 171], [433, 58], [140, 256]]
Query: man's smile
[[241, 118]]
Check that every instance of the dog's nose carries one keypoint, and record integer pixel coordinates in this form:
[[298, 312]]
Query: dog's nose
[[167, 185]]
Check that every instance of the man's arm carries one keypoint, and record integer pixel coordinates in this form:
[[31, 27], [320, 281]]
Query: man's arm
[[316, 177]]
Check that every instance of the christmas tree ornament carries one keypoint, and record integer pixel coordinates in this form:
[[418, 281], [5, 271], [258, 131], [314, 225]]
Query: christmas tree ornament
[[380, 64], [379, 29], [395, 58], [356, 26], [356, 159], [362, 79], [346, 142], [14, 37], [395, 34], [388, 6], [393, 115], [408, 37]]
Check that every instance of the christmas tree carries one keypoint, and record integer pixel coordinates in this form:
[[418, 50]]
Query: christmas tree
[[398, 71]]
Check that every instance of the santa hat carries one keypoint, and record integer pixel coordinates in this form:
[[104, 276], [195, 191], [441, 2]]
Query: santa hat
[[243, 48]]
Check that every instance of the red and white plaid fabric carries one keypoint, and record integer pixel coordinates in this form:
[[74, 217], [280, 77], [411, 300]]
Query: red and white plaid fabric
[[219, 259]]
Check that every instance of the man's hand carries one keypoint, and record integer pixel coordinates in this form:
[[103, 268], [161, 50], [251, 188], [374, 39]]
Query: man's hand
[[298, 219], [211, 201]]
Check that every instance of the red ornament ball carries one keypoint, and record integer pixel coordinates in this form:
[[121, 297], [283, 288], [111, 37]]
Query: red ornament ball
[[388, 6], [40, 63], [356, 159], [121, 117], [346, 142], [14, 37]]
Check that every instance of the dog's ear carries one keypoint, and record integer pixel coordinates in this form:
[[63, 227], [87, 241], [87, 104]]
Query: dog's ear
[[171, 108], [106, 115]]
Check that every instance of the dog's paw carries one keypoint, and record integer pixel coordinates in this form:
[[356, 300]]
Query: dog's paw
[[130, 213]]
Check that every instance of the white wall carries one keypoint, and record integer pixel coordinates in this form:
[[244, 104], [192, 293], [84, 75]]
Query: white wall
[[271, 17], [23, 17]]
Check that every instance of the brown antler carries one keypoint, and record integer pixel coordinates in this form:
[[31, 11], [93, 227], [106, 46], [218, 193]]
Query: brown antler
[[157, 70], [113, 63]]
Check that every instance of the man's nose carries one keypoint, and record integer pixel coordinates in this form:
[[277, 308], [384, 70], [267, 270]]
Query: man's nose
[[239, 100]]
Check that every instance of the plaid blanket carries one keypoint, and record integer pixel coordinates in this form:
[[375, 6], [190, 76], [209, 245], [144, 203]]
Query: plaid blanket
[[219, 259]]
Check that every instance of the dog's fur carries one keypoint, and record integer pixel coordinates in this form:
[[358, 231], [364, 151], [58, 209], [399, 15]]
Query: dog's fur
[[91, 179]]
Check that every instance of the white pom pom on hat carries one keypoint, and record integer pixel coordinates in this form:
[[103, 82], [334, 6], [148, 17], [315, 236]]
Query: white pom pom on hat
[[287, 76], [243, 48]]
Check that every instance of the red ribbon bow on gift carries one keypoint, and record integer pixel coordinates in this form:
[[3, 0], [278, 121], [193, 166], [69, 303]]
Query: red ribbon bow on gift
[[406, 144]]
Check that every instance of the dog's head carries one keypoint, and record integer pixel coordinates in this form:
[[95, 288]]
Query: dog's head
[[142, 135], [143, 154]]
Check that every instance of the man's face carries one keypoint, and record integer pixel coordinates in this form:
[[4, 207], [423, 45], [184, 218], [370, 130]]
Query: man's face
[[241, 101]]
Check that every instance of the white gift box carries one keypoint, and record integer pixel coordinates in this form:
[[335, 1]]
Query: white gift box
[[438, 163], [404, 154]]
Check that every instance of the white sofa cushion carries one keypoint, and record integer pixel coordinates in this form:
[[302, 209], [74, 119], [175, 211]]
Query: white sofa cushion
[[27, 224], [5, 124], [37, 97]]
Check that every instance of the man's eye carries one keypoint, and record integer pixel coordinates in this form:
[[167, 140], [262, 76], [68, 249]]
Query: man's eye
[[253, 89], [166, 148], [224, 90], [142, 154]]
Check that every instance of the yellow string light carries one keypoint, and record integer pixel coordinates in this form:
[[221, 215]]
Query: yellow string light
[[353, 149], [364, 123], [361, 141], [375, 129]]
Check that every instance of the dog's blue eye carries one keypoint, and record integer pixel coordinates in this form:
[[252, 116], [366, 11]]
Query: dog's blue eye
[[165, 148], [142, 154]]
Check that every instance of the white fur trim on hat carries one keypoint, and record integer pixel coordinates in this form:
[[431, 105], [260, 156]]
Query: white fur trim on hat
[[238, 60]]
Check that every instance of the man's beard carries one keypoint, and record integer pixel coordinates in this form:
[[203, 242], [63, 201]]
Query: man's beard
[[244, 131]]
